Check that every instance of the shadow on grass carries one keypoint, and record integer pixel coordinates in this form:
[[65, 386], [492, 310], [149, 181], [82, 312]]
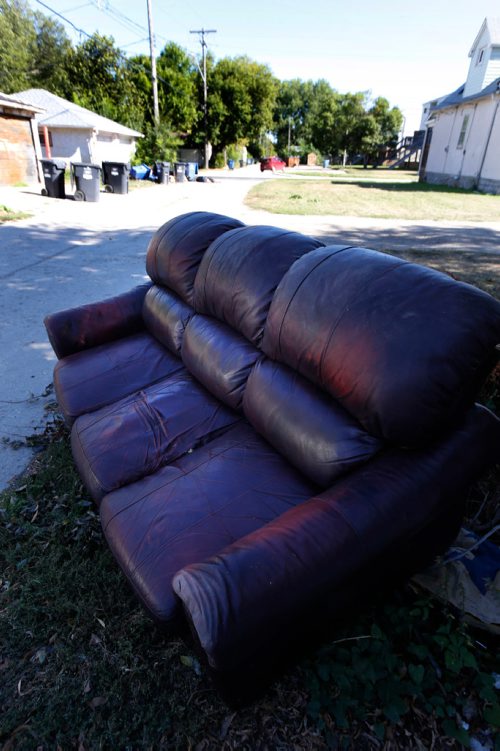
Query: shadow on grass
[[408, 187]]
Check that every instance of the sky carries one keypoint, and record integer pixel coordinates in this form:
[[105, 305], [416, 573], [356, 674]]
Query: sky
[[407, 52]]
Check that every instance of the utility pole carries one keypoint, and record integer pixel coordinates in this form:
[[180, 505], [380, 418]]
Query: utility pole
[[203, 72], [154, 79]]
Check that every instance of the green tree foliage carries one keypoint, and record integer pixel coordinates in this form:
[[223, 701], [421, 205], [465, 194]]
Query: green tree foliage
[[241, 101], [177, 88], [17, 45], [317, 118], [52, 51], [101, 80]]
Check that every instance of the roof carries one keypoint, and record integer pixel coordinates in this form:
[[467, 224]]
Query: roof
[[10, 103], [457, 97], [493, 25], [60, 113]]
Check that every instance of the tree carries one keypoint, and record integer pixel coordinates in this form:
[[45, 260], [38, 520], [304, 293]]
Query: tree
[[52, 56], [17, 47], [101, 80], [177, 89], [241, 99], [291, 116]]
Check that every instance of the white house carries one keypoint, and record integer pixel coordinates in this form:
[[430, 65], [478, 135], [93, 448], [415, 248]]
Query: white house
[[462, 144], [77, 134]]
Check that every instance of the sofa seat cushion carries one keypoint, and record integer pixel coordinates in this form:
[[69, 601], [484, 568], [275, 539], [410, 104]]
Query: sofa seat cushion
[[305, 424], [195, 507], [124, 441], [91, 379]]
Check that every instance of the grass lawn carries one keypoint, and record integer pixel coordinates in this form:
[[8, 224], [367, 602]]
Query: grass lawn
[[8, 215], [396, 200], [82, 666], [381, 174]]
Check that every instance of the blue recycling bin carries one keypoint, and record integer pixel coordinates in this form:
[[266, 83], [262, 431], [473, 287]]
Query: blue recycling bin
[[191, 170]]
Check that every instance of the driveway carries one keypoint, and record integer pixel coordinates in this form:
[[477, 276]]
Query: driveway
[[69, 253]]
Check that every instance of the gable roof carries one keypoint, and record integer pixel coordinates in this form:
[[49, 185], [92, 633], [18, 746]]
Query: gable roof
[[457, 97], [60, 113], [493, 26], [11, 104]]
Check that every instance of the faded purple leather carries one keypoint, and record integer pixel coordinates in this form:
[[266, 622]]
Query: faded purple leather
[[237, 287], [219, 357], [177, 248], [166, 317], [193, 508], [95, 377], [173, 257], [257, 587], [317, 427], [315, 433], [135, 436], [402, 347], [78, 329]]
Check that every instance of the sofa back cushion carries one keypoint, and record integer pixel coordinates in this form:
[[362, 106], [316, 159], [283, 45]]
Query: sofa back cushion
[[401, 347], [219, 357], [166, 316], [239, 273], [237, 278], [177, 247], [305, 424]]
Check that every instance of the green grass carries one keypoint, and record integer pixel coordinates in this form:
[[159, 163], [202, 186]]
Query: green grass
[[356, 174], [8, 215], [83, 667], [395, 200]]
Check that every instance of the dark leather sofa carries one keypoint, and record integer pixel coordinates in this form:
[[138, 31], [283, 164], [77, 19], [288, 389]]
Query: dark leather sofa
[[272, 425]]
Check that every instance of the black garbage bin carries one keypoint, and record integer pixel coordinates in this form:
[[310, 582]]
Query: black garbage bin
[[53, 174], [115, 177], [162, 172], [180, 172], [87, 180]]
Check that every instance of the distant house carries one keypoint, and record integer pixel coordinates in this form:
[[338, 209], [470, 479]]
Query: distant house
[[462, 144], [19, 144], [77, 134]]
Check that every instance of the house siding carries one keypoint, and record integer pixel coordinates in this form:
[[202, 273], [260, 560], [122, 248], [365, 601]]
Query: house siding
[[470, 166], [477, 71], [17, 154], [77, 145]]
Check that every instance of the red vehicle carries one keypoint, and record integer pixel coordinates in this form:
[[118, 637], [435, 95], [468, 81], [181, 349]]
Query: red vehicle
[[273, 163]]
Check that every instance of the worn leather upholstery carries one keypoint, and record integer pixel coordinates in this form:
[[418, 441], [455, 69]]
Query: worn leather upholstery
[[402, 347], [255, 589], [137, 435], [317, 432], [193, 508], [99, 376]]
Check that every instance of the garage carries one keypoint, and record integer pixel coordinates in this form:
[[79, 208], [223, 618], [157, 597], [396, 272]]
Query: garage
[[19, 143]]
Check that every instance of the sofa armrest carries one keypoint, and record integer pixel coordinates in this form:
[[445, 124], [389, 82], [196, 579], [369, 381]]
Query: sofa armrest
[[254, 591], [76, 329]]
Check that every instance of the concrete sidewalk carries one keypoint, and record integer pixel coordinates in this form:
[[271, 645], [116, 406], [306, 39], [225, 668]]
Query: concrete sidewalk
[[69, 253]]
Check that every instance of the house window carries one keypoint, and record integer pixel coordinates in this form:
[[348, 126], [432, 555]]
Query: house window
[[480, 56], [42, 138], [463, 130]]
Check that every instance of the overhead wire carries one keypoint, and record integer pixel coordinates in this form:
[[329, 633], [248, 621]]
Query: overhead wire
[[82, 32]]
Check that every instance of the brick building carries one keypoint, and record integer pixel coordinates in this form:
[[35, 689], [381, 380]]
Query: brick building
[[19, 142]]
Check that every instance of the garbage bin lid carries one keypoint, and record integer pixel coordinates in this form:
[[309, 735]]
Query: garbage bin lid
[[85, 164], [59, 163]]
